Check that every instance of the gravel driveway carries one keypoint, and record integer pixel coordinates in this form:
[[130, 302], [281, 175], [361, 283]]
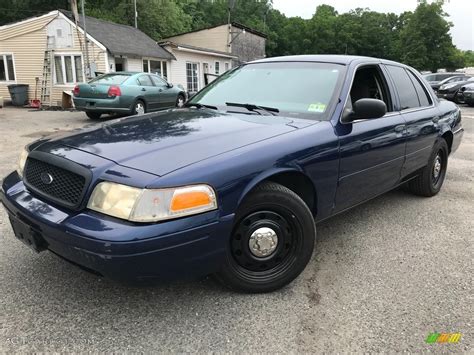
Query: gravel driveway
[[383, 276]]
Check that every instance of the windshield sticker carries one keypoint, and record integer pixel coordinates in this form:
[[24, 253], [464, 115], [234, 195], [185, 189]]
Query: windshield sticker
[[317, 107]]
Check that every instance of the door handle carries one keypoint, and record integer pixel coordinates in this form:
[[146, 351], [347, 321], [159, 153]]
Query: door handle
[[435, 119], [143, 89], [400, 128], [160, 90]]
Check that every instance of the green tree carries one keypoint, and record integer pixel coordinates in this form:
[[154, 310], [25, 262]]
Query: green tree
[[425, 38]]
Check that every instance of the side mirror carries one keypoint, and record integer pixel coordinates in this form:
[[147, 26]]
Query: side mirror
[[366, 109], [169, 85]]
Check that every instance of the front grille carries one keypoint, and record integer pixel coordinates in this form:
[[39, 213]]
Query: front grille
[[65, 187]]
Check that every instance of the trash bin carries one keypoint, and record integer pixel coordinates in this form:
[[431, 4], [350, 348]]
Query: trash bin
[[19, 94]]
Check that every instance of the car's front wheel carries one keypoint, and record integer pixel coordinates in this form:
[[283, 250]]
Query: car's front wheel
[[459, 98], [272, 240], [139, 108], [180, 100]]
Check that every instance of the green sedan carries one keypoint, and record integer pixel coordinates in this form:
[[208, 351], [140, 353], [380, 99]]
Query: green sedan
[[126, 93]]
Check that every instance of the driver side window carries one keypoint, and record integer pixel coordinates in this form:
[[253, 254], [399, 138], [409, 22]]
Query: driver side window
[[369, 83]]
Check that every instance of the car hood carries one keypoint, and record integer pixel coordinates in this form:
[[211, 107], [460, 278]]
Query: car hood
[[161, 142]]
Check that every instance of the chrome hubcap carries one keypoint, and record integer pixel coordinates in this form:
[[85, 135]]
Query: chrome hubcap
[[180, 102], [263, 242], [139, 109], [437, 167]]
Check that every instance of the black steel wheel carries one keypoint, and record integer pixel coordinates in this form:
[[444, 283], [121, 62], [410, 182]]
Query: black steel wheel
[[272, 241], [432, 176]]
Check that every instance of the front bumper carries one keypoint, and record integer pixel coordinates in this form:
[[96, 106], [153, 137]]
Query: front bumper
[[184, 248]]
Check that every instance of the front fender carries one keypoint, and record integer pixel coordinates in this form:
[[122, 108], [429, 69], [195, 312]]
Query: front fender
[[264, 176]]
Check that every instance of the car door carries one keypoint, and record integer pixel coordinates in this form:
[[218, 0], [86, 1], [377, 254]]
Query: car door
[[149, 91], [372, 151], [421, 115], [166, 95]]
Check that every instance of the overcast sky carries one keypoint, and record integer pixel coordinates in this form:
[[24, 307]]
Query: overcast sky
[[461, 13]]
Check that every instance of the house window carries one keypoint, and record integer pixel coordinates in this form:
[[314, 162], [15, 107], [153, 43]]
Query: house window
[[7, 69], [226, 66], [155, 67], [192, 76], [68, 69], [217, 67]]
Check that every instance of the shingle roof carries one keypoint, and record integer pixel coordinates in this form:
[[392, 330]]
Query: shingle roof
[[200, 49], [122, 39]]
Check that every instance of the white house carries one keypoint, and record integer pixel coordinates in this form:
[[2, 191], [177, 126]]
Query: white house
[[194, 67]]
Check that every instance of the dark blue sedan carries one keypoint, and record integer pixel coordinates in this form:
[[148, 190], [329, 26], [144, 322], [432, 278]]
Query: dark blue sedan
[[233, 183]]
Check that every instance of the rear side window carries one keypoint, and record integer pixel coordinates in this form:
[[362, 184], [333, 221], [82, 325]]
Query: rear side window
[[406, 90], [423, 96], [112, 79]]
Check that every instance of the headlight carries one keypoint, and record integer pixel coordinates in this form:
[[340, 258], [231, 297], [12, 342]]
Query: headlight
[[148, 205], [22, 161]]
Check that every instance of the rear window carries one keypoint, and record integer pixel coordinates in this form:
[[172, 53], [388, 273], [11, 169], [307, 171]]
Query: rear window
[[406, 91], [423, 96], [112, 79]]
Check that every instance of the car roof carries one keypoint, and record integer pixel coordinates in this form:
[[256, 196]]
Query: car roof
[[129, 73], [325, 58]]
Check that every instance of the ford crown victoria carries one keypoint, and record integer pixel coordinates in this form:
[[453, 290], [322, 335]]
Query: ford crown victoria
[[233, 183]]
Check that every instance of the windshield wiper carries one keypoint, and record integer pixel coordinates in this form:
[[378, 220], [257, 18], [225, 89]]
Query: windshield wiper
[[200, 106], [251, 107]]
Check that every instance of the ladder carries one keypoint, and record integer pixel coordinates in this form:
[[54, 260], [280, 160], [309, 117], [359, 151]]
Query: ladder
[[46, 80]]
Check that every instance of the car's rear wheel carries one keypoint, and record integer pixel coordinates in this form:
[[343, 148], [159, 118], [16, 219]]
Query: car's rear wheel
[[431, 178], [93, 115], [271, 243], [180, 100], [139, 108]]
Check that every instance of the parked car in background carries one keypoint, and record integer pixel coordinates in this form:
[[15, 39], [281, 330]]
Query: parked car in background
[[468, 94], [452, 91], [127, 93], [233, 183], [435, 78], [450, 80]]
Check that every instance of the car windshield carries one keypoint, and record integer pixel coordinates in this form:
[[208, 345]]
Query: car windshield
[[112, 79], [295, 89]]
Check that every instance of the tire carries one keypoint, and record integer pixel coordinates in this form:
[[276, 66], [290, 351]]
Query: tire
[[432, 176], [287, 234], [180, 100], [458, 100], [139, 108], [93, 115]]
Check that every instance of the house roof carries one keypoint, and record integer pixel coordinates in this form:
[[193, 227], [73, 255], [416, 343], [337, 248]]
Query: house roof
[[234, 24], [181, 46], [121, 39]]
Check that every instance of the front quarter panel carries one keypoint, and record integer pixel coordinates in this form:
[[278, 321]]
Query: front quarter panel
[[312, 151]]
